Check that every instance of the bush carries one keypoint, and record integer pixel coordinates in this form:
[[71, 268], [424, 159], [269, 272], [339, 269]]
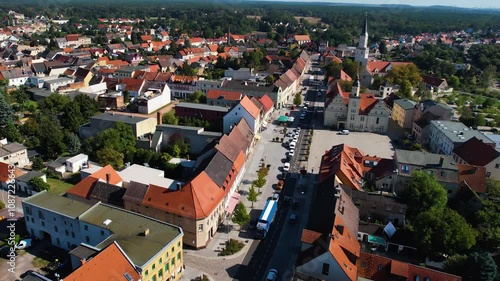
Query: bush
[[2, 205], [232, 247]]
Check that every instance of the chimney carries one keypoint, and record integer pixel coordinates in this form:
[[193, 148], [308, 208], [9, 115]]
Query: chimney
[[178, 186], [90, 165], [83, 261], [107, 177], [158, 118], [146, 232]]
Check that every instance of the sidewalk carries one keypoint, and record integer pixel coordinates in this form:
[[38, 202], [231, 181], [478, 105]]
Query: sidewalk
[[207, 261]]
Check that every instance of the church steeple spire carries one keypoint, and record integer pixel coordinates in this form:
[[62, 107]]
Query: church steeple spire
[[365, 27], [362, 49]]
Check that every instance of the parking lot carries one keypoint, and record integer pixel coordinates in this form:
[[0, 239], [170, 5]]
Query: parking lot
[[368, 143]]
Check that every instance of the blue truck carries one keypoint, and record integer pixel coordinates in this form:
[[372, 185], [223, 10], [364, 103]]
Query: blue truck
[[266, 218]]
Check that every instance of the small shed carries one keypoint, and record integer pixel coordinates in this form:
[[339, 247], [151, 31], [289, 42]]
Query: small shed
[[76, 163]]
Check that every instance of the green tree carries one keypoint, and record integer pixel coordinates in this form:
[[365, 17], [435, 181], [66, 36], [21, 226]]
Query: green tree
[[488, 218], [332, 69], [424, 192], [72, 118], [38, 184], [38, 164], [170, 118], [405, 89], [11, 132], [382, 47], [252, 195], [187, 69], [350, 67], [53, 104], [197, 97], [400, 73], [487, 77], [259, 182], [87, 105], [480, 266], [73, 143], [142, 156], [454, 81], [51, 136], [109, 156], [297, 100], [270, 79], [240, 215], [479, 120], [6, 112], [489, 102], [455, 264], [442, 231]]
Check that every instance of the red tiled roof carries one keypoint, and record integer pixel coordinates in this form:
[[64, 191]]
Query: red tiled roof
[[476, 152], [5, 173], [110, 264], [267, 102], [72, 37], [344, 242], [309, 236], [473, 176], [146, 38], [367, 102], [302, 38], [132, 84], [227, 95], [340, 161], [250, 107], [83, 188]]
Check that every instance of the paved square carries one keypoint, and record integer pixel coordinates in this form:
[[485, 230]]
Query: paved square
[[368, 143]]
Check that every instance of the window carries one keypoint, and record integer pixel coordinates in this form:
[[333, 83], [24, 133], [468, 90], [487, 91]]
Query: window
[[86, 227], [173, 249], [326, 269], [146, 273], [405, 169], [160, 273], [55, 228], [43, 223], [40, 215], [153, 267], [87, 239], [28, 210], [363, 264], [200, 227], [362, 118], [378, 119], [102, 232], [73, 234], [497, 166], [58, 242], [179, 244], [66, 232], [352, 117], [166, 267], [161, 261], [172, 261], [179, 256]]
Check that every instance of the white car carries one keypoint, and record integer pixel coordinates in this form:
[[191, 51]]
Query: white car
[[306, 103], [296, 137], [286, 167], [292, 145], [289, 134], [304, 108], [291, 152], [272, 275]]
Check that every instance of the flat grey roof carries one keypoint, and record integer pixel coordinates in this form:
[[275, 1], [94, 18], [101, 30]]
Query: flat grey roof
[[146, 175], [457, 132], [203, 106], [14, 147], [406, 104], [115, 117], [128, 231], [57, 203]]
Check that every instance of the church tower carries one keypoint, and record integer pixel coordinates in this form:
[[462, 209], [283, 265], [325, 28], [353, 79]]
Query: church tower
[[362, 49], [356, 87]]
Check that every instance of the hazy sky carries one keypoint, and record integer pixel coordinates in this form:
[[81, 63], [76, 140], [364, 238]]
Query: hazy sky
[[456, 3]]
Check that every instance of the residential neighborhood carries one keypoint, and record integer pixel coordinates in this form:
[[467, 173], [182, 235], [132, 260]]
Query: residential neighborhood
[[245, 142]]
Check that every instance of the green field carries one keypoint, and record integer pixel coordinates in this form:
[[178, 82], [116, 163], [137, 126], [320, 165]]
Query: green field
[[58, 186]]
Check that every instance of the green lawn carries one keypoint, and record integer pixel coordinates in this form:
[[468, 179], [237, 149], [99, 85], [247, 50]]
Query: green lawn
[[58, 186]]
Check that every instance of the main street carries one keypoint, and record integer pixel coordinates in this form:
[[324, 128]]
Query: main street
[[280, 248]]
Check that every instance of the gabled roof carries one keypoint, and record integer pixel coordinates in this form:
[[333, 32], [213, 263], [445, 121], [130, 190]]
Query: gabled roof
[[267, 102], [223, 94], [227, 147], [84, 188], [219, 167], [473, 176], [132, 84], [5, 174], [135, 192], [367, 102], [197, 199], [259, 105], [433, 81], [250, 107], [476, 152], [340, 162], [302, 38], [110, 264]]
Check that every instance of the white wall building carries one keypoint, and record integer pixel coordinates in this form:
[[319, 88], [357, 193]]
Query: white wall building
[[76, 163], [153, 96], [245, 109]]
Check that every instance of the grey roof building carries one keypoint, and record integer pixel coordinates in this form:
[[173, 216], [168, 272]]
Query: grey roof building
[[445, 136]]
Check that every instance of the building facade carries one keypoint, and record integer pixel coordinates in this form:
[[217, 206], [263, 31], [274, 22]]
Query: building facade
[[402, 113]]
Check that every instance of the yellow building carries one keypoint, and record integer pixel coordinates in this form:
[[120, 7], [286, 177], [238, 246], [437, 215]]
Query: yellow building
[[402, 112]]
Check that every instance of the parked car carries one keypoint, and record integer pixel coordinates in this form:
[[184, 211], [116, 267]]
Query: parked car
[[276, 196], [292, 218], [291, 152], [272, 275], [24, 244], [286, 167], [296, 137], [344, 132], [292, 145]]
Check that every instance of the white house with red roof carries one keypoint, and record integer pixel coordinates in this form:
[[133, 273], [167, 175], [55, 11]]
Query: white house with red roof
[[354, 111], [245, 109]]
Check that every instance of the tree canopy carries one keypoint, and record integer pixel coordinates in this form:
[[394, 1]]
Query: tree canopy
[[424, 192], [401, 73]]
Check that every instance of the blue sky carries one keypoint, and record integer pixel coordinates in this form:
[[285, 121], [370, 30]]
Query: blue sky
[[457, 3]]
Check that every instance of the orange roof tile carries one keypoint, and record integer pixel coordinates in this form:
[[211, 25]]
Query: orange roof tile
[[343, 241], [114, 177], [309, 236], [197, 199], [367, 102], [132, 84], [267, 102], [5, 173], [83, 188], [473, 176], [110, 264], [228, 95], [302, 38], [250, 107]]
